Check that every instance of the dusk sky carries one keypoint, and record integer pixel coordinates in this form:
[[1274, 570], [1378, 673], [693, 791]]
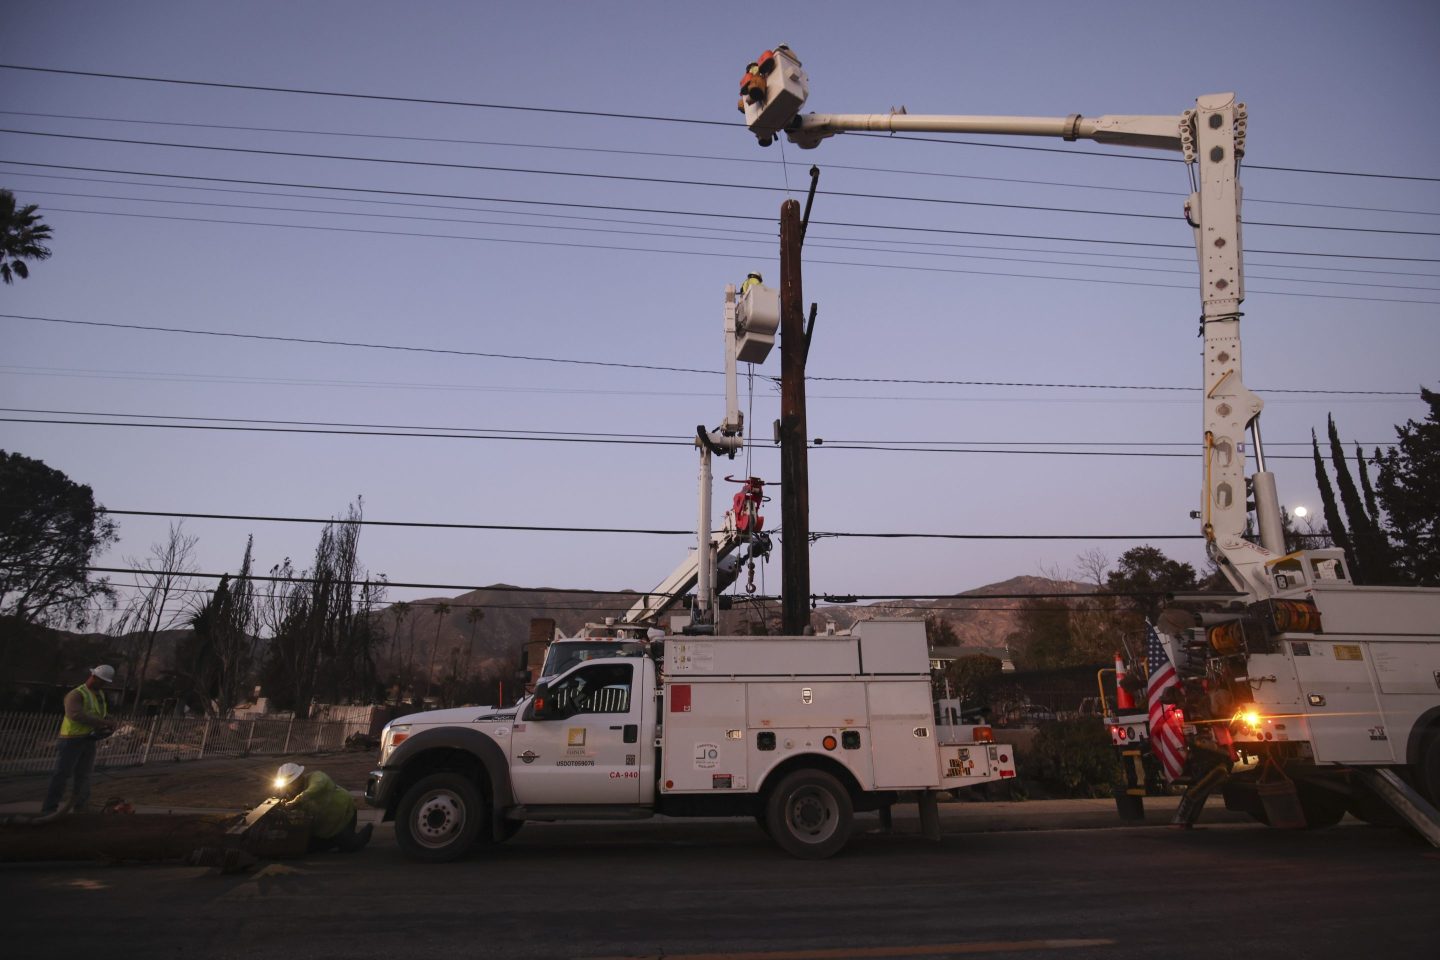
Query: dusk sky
[[570, 230]]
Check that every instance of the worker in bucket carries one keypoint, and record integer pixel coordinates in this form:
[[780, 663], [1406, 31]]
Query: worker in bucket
[[331, 808], [85, 722]]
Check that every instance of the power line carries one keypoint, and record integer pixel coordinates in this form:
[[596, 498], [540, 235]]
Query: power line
[[336, 432], [818, 445], [1132, 156], [672, 181], [589, 175], [367, 96], [385, 607], [378, 582], [869, 244], [734, 256], [633, 436], [167, 377], [638, 594], [604, 114], [814, 235], [659, 367], [625, 530], [724, 216], [667, 155], [366, 346], [526, 528], [377, 426]]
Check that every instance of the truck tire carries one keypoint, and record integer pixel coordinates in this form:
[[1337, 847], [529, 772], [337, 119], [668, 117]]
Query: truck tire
[[1322, 808], [809, 814], [439, 818]]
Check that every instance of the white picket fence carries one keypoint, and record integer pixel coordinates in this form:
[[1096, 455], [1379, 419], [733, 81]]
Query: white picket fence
[[27, 740]]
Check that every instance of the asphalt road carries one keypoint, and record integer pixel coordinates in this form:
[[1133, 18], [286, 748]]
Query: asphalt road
[[683, 889]]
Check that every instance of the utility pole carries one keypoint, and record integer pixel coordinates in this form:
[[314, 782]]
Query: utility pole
[[794, 461]]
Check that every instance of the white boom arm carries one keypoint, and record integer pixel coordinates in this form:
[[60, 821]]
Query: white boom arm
[[1211, 138], [651, 606]]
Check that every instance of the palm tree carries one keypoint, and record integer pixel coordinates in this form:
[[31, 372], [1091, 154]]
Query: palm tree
[[473, 616], [441, 611], [22, 237], [400, 610]]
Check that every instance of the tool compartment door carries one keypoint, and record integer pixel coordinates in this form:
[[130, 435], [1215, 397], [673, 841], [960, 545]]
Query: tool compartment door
[[902, 734], [704, 732], [1340, 702]]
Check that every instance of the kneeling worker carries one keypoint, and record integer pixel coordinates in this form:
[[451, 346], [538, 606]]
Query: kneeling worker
[[330, 806]]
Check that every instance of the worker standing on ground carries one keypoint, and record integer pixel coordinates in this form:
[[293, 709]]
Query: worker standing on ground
[[85, 722], [331, 808]]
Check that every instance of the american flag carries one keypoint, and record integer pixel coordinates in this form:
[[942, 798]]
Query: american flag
[[1166, 738]]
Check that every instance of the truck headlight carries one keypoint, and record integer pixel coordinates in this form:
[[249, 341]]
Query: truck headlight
[[391, 737]]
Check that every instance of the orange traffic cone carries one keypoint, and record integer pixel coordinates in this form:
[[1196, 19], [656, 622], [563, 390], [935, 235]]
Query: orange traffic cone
[[1123, 698]]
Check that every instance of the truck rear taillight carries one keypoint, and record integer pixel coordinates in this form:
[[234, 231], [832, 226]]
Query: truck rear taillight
[[984, 735]]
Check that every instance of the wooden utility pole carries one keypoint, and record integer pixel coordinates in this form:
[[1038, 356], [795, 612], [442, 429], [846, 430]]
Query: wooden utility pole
[[794, 462]]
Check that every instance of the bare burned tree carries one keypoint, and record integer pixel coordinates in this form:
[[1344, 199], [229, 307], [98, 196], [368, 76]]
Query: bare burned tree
[[165, 575], [221, 652], [322, 641]]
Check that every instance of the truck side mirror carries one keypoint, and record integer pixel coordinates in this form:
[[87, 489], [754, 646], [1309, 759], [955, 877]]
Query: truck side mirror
[[544, 703]]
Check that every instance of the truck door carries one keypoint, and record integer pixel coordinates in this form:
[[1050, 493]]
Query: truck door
[[590, 753]]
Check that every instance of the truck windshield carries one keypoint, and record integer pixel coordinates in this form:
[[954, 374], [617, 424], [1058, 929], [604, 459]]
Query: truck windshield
[[564, 654]]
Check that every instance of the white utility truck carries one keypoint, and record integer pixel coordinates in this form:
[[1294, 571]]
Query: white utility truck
[[1307, 694], [798, 732]]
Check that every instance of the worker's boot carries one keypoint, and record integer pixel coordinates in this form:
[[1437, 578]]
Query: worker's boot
[[358, 839]]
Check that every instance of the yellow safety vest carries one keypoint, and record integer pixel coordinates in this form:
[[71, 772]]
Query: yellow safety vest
[[94, 705]]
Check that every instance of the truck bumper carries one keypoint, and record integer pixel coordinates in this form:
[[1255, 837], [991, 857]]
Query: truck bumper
[[379, 787]]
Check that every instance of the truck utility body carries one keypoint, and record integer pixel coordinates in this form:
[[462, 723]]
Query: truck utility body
[[798, 732], [1296, 700]]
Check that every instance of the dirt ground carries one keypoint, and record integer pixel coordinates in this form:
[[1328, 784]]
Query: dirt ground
[[232, 783]]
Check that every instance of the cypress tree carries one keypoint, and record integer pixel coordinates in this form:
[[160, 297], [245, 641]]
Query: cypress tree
[[1369, 542], [1408, 487], [1333, 520]]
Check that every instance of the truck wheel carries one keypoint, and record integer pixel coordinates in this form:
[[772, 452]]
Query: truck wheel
[[439, 818], [809, 815], [1322, 808]]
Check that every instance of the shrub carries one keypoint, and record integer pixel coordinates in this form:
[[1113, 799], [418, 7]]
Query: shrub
[[1073, 758]]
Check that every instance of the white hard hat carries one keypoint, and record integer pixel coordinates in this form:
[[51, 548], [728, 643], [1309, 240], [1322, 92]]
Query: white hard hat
[[105, 672], [288, 774]]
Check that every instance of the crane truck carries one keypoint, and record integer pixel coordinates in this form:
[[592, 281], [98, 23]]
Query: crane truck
[[799, 733], [1308, 694]]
